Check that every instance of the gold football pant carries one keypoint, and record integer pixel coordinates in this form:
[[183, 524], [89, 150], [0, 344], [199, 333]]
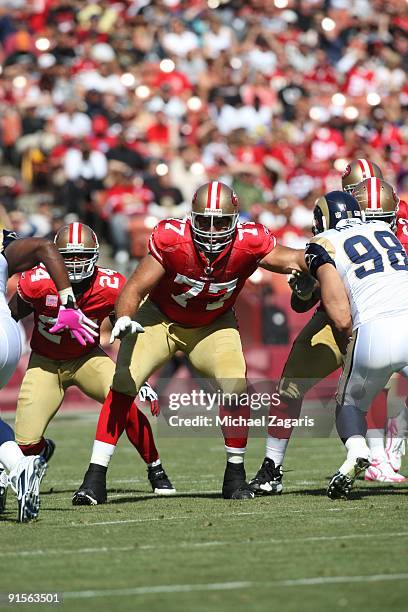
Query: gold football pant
[[44, 385], [215, 350], [314, 355]]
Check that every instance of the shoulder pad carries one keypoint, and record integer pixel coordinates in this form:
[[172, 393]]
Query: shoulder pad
[[319, 251]]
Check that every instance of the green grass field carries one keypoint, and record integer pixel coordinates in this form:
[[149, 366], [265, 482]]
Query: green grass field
[[195, 551]]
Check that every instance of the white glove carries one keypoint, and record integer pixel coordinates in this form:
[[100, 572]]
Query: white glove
[[123, 327], [302, 284], [146, 392]]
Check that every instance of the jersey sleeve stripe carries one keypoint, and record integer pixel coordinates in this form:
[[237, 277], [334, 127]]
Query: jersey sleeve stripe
[[153, 249]]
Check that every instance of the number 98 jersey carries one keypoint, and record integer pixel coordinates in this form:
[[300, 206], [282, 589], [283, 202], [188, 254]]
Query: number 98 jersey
[[372, 263], [194, 291], [97, 302]]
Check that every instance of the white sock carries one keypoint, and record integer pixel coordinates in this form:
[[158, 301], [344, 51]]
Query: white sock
[[401, 421], [276, 449], [10, 454], [154, 463], [235, 455], [375, 441], [102, 453], [357, 447]]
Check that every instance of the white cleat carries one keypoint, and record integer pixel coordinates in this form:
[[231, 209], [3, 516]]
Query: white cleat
[[25, 480], [381, 471], [394, 445]]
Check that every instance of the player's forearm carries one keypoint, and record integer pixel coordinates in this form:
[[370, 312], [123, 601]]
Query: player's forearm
[[284, 260], [129, 301], [29, 252]]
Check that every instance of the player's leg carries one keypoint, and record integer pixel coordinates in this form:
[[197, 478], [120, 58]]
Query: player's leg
[[396, 429], [381, 469], [138, 357], [24, 473], [93, 376], [368, 367], [216, 352], [314, 355], [41, 394]]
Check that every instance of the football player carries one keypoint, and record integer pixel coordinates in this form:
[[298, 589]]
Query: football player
[[193, 273], [315, 354], [378, 200], [25, 473], [362, 269], [57, 362]]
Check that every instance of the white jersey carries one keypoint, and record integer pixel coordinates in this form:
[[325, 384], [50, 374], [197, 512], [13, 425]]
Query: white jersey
[[4, 309], [373, 265]]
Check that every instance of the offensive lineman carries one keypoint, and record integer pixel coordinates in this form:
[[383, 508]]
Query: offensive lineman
[[362, 269], [193, 273], [57, 362], [25, 473]]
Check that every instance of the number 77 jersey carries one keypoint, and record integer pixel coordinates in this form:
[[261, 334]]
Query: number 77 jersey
[[97, 302], [194, 291], [372, 263]]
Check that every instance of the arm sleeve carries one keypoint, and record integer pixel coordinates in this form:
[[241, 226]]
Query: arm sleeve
[[266, 244], [154, 246], [319, 251], [25, 288]]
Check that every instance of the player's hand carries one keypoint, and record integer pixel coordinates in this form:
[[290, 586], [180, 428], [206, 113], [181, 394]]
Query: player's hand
[[123, 327], [146, 392], [73, 319], [302, 284]]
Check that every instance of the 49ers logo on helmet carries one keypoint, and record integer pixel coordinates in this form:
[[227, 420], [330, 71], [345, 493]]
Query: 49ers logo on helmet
[[347, 171], [234, 198]]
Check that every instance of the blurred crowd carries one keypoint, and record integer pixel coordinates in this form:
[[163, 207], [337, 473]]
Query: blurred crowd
[[114, 111]]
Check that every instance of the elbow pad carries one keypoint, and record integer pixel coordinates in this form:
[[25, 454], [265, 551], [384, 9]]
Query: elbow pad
[[316, 256]]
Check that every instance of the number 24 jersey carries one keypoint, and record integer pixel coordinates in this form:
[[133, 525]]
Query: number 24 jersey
[[97, 302], [194, 292], [372, 263]]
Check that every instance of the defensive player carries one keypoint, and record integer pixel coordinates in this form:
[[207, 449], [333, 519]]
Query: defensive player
[[193, 273], [57, 362], [362, 269], [25, 473], [315, 354]]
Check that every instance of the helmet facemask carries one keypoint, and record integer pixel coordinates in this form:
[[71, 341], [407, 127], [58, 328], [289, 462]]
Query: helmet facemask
[[80, 264], [213, 231]]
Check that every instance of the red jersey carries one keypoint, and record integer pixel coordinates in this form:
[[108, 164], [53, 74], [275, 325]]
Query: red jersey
[[195, 292], [402, 224], [97, 302]]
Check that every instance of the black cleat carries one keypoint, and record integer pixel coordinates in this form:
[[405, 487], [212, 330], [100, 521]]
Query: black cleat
[[3, 489], [235, 485], [161, 484], [93, 489], [48, 450], [268, 479], [340, 484]]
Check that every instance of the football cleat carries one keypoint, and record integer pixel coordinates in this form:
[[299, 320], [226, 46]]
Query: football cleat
[[381, 471], [93, 488], [3, 489], [268, 479], [235, 485], [341, 483], [394, 445], [161, 484], [25, 480], [48, 450]]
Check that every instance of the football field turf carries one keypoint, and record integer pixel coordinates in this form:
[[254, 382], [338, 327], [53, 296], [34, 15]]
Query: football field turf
[[196, 551]]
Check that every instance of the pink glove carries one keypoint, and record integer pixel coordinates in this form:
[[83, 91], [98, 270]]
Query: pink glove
[[82, 328]]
